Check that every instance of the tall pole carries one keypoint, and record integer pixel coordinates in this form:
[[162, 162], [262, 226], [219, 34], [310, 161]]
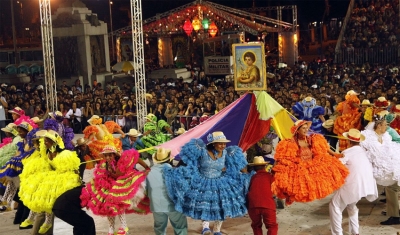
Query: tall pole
[[110, 3], [14, 35], [138, 59], [48, 54]]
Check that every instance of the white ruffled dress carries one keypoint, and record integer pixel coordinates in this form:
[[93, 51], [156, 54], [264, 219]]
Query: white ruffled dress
[[385, 157]]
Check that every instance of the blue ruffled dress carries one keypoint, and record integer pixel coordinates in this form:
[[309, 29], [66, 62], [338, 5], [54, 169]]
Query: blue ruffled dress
[[202, 190], [14, 166], [310, 114]]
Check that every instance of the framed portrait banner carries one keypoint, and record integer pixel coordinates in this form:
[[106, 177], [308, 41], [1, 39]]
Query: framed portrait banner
[[250, 71]]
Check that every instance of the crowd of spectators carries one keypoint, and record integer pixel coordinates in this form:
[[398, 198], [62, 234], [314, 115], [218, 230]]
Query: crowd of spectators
[[373, 24], [185, 103]]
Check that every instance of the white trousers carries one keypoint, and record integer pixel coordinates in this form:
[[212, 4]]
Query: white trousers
[[336, 207]]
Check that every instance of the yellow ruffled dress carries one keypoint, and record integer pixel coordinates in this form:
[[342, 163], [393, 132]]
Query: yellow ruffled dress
[[44, 180]]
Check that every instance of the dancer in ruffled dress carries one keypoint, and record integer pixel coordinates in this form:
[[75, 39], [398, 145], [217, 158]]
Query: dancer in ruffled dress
[[211, 187], [305, 168], [100, 135], [13, 167], [308, 110], [18, 116], [349, 117], [46, 180], [8, 148], [382, 152], [155, 132], [55, 123], [117, 188]]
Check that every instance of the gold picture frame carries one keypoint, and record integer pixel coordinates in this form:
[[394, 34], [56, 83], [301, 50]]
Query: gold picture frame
[[250, 71]]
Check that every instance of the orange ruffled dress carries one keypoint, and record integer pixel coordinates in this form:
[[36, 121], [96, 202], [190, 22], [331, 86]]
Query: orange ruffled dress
[[305, 174], [96, 145], [350, 118]]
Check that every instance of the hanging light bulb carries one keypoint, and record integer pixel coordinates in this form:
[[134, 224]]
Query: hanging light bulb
[[213, 29], [205, 23], [196, 23], [188, 27]]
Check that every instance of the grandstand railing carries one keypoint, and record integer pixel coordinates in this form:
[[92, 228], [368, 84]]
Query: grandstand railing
[[371, 55], [344, 25]]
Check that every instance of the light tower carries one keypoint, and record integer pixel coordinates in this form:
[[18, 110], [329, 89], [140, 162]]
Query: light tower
[[48, 54], [138, 59]]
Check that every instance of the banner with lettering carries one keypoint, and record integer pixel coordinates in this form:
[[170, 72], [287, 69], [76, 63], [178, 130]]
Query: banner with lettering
[[218, 65]]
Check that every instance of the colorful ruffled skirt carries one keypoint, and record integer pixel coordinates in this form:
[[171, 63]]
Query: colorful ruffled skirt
[[106, 196], [43, 181], [14, 166], [205, 198], [343, 124], [154, 140]]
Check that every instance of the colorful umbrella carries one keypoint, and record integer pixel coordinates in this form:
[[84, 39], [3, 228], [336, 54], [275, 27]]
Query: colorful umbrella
[[244, 122], [124, 66]]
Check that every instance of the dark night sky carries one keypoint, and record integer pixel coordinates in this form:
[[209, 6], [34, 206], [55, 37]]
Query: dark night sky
[[308, 10]]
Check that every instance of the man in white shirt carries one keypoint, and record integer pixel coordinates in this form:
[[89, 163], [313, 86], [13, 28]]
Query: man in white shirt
[[360, 183], [75, 115]]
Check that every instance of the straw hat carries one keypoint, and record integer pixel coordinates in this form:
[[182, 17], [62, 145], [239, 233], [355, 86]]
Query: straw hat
[[150, 96], [365, 102], [93, 118], [53, 135], [352, 92], [36, 120], [328, 124], [80, 141], [54, 114], [162, 155], [381, 102], [18, 111], [10, 128], [26, 126], [298, 124], [133, 133], [258, 161], [217, 137], [151, 117], [354, 135], [110, 149], [180, 131]]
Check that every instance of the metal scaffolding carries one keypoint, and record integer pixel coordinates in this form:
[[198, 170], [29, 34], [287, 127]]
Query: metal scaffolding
[[48, 54], [138, 58]]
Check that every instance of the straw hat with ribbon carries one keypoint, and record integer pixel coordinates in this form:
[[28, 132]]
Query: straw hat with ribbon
[[162, 155], [54, 114], [180, 131], [309, 101], [95, 120], [26, 126], [354, 135], [151, 117], [110, 149], [381, 102], [10, 128], [258, 161], [18, 111], [328, 124], [36, 120], [80, 141], [366, 102], [217, 137], [298, 124], [133, 133], [53, 136]]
